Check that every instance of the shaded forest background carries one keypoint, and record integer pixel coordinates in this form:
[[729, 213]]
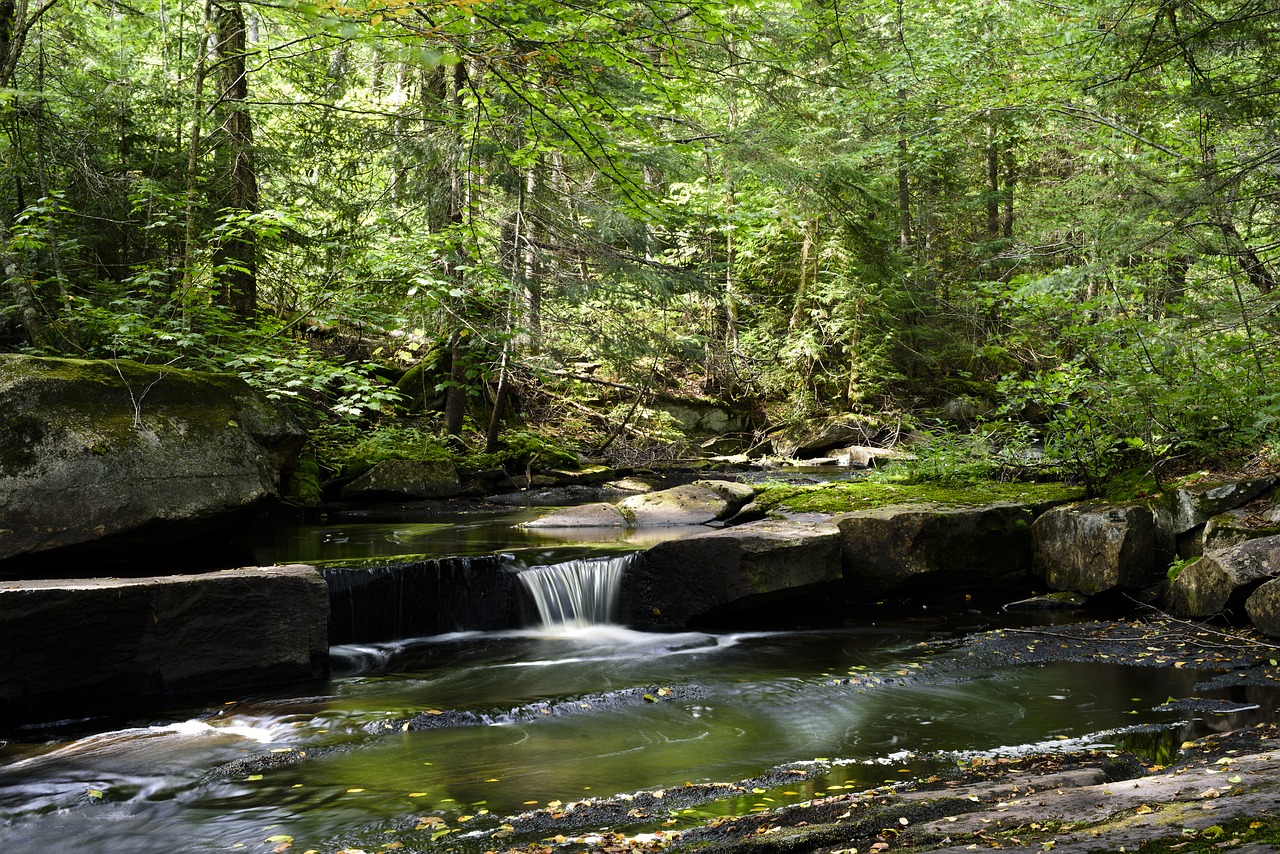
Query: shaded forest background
[[496, 226]]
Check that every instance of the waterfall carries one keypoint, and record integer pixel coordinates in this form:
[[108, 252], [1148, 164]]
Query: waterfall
[[578, 592]]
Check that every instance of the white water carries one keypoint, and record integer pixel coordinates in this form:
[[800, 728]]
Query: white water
[[577, 593]]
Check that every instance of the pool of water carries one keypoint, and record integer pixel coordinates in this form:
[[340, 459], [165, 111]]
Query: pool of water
[[541, 716], [550, 720]]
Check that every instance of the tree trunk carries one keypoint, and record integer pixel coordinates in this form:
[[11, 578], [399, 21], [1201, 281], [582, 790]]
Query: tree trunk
[[993, 183], [238, 254]]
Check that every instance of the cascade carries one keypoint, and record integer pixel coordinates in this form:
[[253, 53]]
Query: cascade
[[578, 592]]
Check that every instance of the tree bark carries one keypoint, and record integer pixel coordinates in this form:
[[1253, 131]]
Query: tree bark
[[238, 255]]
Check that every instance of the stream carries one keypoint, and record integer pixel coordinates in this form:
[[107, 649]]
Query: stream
[[560, 711]]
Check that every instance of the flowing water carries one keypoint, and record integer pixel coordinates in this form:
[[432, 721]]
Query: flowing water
[[571, 708]]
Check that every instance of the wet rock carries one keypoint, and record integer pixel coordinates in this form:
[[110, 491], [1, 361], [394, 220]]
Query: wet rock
[[1093, 547], [415, 479], [92, 449], [737, 570], [690, 504], [78, 644], [903, 549], [1209, 584]]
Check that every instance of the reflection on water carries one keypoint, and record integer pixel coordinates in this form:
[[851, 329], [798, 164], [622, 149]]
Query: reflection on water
[[354, 539], [649, 711]]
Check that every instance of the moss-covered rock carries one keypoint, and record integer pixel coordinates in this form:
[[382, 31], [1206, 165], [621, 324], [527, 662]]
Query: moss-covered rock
[[407, 479], [89, 449], [1210, 584]]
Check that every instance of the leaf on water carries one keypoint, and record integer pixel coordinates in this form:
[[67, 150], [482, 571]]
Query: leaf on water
[[281, 848], [280, 837], [664, 692], [255, 777], [649, 698], [417, 794], [95, 794], [354, 791], [530, 803]]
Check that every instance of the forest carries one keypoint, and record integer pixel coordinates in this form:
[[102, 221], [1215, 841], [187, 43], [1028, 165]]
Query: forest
[[485, 227]]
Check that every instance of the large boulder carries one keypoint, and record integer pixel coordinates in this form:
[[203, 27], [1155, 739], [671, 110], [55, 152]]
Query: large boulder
[[94, 448], [1094, 547], [1223, 577], [414, 479], [598, 514], [813, 438], [734, 571], [690, 504], [80, 644], [924, 548]]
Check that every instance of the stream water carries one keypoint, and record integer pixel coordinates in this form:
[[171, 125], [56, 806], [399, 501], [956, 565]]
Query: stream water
[[570, 709]]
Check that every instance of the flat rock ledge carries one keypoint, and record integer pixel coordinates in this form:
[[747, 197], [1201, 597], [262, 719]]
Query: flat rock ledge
[[83, 644]]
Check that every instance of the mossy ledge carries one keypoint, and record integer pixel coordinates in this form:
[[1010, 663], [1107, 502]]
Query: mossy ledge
[[870, 495]]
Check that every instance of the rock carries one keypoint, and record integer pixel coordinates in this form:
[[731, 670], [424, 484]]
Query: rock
[[699, 417], [630, 484], [896, 550], [1211, 583], [1189, 506], [80, 644], [407, 479], [813, 438], [699, 579], [90, 449], [1094, 547], [690, 504], [737, 494], [600, 514], [1231, 529], [1263, 608], [864, 457]]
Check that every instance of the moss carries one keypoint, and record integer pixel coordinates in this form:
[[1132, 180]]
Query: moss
[[1131, 484], [303, 483], [865, 495]]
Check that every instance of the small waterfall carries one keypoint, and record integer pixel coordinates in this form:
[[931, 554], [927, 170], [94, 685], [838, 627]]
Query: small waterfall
[[576, 593]]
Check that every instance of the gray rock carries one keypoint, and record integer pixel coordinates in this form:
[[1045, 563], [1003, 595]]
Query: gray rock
[[407, 479], [737, 494], [685, 581], [689, 504], [1094, 547], [864, 457], [600, 514], [1194, 505], [1231, 529], [812, 438], [79, 643], [1206, 586], [89, 449], [1263, 608], [895, 550]]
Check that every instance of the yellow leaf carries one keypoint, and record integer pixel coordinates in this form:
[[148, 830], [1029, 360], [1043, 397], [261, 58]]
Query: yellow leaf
[[1144, 810], [375, 20]]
